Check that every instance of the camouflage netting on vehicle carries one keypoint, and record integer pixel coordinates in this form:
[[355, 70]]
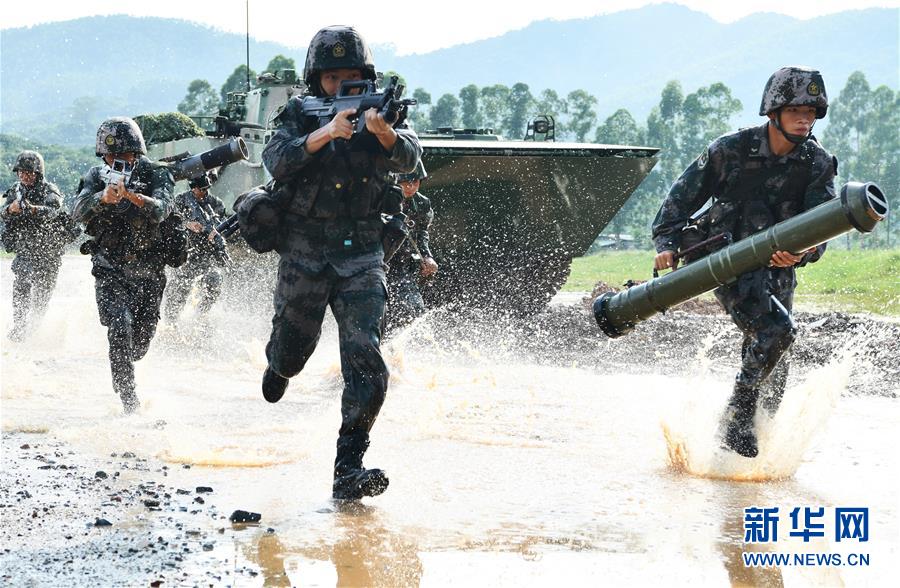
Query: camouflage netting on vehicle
[[167, 126]]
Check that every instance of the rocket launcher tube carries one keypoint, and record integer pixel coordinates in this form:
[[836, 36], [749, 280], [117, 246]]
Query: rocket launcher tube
[[196, 165], [860, 206]]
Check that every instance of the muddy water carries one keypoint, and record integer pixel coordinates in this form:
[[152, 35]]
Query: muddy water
[[504, 469]]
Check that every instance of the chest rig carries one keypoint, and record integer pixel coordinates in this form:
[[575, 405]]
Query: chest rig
[[762, 191]]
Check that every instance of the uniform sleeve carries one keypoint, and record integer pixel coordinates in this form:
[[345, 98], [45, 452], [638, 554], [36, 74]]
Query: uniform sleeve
[[218, 206], [406, 152], [162, 201], [422, 227], [8, 198], [87, 202], [285, 154], [52, 203], [689, 192]]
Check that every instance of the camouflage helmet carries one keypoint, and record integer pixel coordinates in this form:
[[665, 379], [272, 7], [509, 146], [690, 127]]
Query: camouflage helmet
[[417, 174], [29, 161], [795, 86], [120, 134], [337, 47]]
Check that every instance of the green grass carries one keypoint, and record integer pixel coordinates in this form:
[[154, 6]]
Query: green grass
[[849, 281]]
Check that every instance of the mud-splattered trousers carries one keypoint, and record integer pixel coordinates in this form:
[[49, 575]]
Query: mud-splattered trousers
[[331, 256], [129, 309], [33, 284], [200, 270]]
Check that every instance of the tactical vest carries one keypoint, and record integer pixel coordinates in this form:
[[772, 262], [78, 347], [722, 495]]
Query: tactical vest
[[343, 183], [747, 206], [125, 234], [24, 233]]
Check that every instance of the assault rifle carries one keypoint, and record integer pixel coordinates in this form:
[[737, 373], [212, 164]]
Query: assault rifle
[[360, 96]]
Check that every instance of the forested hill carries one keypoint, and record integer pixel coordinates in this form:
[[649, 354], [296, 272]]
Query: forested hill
[[76, 72]]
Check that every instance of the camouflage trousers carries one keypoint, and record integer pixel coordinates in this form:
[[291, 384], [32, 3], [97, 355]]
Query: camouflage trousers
[[33, 284], [760, 305], [357, 303], [129, 309], [405, 301], [202, 272]]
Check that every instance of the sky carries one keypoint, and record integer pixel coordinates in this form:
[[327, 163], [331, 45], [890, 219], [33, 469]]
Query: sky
[[426, 26]]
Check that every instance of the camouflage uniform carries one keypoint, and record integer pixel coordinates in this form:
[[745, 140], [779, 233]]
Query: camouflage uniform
[[202, 263], [129, 257], [32, 234], [405, 300], [753, 189], [331, 255]]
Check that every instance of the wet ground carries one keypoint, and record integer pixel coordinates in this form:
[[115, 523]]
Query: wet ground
[[520, 453]]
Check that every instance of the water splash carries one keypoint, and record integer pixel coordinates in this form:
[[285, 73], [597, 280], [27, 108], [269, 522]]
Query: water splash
[[693, 446]]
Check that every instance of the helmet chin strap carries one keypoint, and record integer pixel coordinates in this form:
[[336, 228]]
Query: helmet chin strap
[[795, 139]]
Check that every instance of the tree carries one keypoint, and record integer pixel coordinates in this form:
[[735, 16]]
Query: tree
[[280, 62], [237, 82], [862, 133], [446, 112], [494, 105], [418, 115], [167, 126], [582, 116], [705, 115], [619, 128], [521, 106], [471, 113], [201, 98]]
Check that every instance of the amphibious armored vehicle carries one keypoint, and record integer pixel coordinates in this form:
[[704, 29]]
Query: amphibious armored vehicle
[[510, 215]]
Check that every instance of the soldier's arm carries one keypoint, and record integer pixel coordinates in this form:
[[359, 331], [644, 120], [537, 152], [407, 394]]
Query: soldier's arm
[[87, 204], [8, 197], [422, 238], [285, 154], [820, 189], [217, 205], [689, 192], [51, 206], [406, 152], [160, 203]]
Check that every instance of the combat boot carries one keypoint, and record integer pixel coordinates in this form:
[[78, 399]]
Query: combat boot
[[130, 402], [351, 480], [359, 483], [737, 430], [17, 333], [273, 385]]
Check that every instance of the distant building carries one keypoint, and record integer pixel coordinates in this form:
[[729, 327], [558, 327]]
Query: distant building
[[612, 243]]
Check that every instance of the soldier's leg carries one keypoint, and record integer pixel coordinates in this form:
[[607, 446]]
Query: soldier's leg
[[145, 310], [45, 282], [768, 333], [113, 305], [300, 301], [358, 307], [772, 389], [405, 302], [21, 296], [210, 289], [178, 291]]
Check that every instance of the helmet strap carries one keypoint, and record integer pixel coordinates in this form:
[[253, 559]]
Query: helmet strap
[[795, 139]]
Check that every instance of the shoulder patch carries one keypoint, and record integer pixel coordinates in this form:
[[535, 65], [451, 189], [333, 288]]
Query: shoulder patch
[[703, 159]]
